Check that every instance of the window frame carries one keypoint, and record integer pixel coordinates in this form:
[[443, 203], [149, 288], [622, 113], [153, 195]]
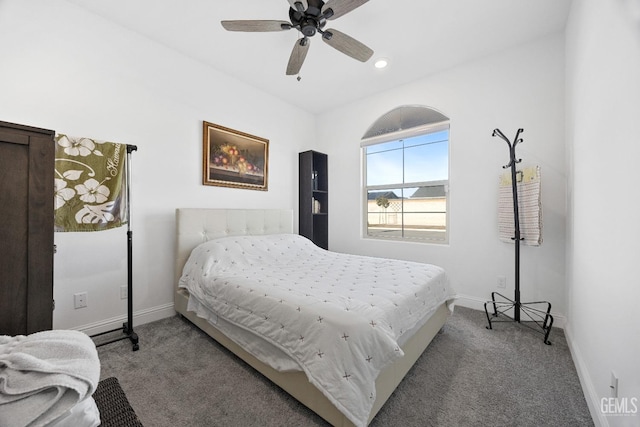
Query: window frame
[[395, 136]]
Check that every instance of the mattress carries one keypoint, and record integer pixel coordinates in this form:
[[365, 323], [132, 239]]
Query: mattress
[[339, 318], [261, 349]]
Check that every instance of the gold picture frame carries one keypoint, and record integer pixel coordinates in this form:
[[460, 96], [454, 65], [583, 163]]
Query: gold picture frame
[[234, 159]]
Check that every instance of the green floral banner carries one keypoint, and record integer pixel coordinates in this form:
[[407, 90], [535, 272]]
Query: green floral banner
[[89, 176]]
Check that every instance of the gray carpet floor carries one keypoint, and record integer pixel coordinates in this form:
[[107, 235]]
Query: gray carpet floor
[[468, 376]]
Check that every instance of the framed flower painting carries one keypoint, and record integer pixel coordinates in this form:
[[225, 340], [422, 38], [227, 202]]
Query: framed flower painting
[[234, 159]]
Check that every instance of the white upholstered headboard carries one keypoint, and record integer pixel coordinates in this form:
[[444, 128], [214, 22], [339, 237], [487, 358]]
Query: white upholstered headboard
[[195, 226]]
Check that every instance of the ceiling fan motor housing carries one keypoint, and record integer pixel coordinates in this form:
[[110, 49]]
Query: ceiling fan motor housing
[[309, 21], [308, 27]]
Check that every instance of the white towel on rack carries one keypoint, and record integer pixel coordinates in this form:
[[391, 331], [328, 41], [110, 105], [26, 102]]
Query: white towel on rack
[[44, 375], [529, 206]]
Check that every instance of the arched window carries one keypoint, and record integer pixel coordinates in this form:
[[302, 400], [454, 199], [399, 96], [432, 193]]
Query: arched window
[[406, 175]]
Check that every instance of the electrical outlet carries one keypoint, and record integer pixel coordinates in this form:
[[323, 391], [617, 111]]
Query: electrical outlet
[[614, 385], [502, 282], [124, 292], [80, 300]]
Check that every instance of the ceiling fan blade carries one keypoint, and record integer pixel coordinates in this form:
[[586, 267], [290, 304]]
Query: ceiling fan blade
[[256, 26], [341, 7], [298, 54], [304, 4], [347, 45]]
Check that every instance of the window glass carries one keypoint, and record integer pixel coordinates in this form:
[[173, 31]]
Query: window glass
[[384, 167], [426, 162], [406, 187]]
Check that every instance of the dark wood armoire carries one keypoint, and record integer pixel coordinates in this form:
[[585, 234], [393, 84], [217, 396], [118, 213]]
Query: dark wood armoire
[[26, 228]]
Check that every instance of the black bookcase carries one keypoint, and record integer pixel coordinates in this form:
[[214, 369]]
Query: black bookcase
[[313, 198]]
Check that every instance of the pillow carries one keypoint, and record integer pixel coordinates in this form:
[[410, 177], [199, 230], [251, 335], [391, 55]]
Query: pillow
[[236, 252]]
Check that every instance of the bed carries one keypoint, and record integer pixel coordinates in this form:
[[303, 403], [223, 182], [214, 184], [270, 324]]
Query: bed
[[224, 233]]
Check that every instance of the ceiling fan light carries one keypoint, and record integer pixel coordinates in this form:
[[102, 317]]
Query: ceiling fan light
[[381, 63]]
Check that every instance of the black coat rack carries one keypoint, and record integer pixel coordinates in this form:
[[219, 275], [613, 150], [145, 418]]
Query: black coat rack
[[127, 327], [537, 319]]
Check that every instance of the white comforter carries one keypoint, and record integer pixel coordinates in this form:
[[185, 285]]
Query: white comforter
[[338, 316]]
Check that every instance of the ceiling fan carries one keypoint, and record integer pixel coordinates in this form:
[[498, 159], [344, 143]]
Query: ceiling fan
[[309, 17]]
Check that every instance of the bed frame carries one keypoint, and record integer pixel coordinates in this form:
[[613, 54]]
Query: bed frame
[[195, 226]]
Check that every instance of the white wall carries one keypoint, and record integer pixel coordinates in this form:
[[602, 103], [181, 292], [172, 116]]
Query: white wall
[[521, 87], [603, 144], [65, 69]]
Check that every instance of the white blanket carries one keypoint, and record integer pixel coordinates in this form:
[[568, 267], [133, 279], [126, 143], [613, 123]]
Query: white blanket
[[529, 207], [338, 316], [44, 375]]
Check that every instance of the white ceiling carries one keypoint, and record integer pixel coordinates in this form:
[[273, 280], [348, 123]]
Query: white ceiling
[[418, 37]]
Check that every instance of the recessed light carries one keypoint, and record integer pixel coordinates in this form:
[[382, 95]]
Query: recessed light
[[381, 63]]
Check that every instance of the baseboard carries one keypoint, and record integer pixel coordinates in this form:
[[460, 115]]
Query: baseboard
[[559, 320], [592, 398], [470, 302], [139, 318]]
